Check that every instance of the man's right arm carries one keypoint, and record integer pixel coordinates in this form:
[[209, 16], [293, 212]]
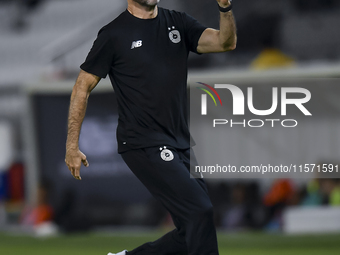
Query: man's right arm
[[85, 83]]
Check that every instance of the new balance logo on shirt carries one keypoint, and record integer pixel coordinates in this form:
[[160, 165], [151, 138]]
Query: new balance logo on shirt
[[136, 44]]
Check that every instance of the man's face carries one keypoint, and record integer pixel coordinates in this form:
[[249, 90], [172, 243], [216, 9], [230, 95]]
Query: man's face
[[148, 3]]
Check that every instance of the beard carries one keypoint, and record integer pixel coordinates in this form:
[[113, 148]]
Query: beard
[[147, 3]]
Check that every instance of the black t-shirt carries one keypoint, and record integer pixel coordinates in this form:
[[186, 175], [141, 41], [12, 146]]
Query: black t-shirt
[[146, 60]]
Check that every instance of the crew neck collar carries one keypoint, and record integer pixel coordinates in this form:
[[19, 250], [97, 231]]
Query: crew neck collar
[[144, 20]]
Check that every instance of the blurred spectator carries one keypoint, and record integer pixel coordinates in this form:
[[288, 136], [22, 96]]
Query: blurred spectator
[[324, 190], [16, 183], [234, 217], [41, 216], [330, 188], [255, 214], [313, 195], [43, 212], [67, 216], [279, 196], [334, 198], [220, 197], [244, 210]]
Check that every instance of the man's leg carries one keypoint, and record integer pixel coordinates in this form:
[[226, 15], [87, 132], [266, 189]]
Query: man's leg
[[185, 198]]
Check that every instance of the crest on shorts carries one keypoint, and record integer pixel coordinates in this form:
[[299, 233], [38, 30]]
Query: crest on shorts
[[174, 35], [166, 154]]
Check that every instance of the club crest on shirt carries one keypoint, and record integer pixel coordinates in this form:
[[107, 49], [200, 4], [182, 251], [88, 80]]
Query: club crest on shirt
[[166, 154], [174, 35]]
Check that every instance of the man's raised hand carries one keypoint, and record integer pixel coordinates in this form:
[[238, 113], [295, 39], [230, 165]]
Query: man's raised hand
[[224, 3]]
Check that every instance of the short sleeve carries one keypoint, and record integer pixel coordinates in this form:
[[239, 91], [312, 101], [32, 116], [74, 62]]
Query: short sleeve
[[100, 57], [193, 31]]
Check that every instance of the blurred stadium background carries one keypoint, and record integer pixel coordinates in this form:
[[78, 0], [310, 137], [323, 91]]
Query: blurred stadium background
[[42, 44]]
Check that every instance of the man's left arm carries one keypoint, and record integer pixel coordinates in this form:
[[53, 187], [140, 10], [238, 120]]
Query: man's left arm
[[222, 40]]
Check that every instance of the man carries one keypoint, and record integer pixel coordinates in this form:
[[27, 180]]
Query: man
[[144, 51]]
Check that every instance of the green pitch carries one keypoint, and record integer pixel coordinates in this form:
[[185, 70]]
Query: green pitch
[[230, 244]]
